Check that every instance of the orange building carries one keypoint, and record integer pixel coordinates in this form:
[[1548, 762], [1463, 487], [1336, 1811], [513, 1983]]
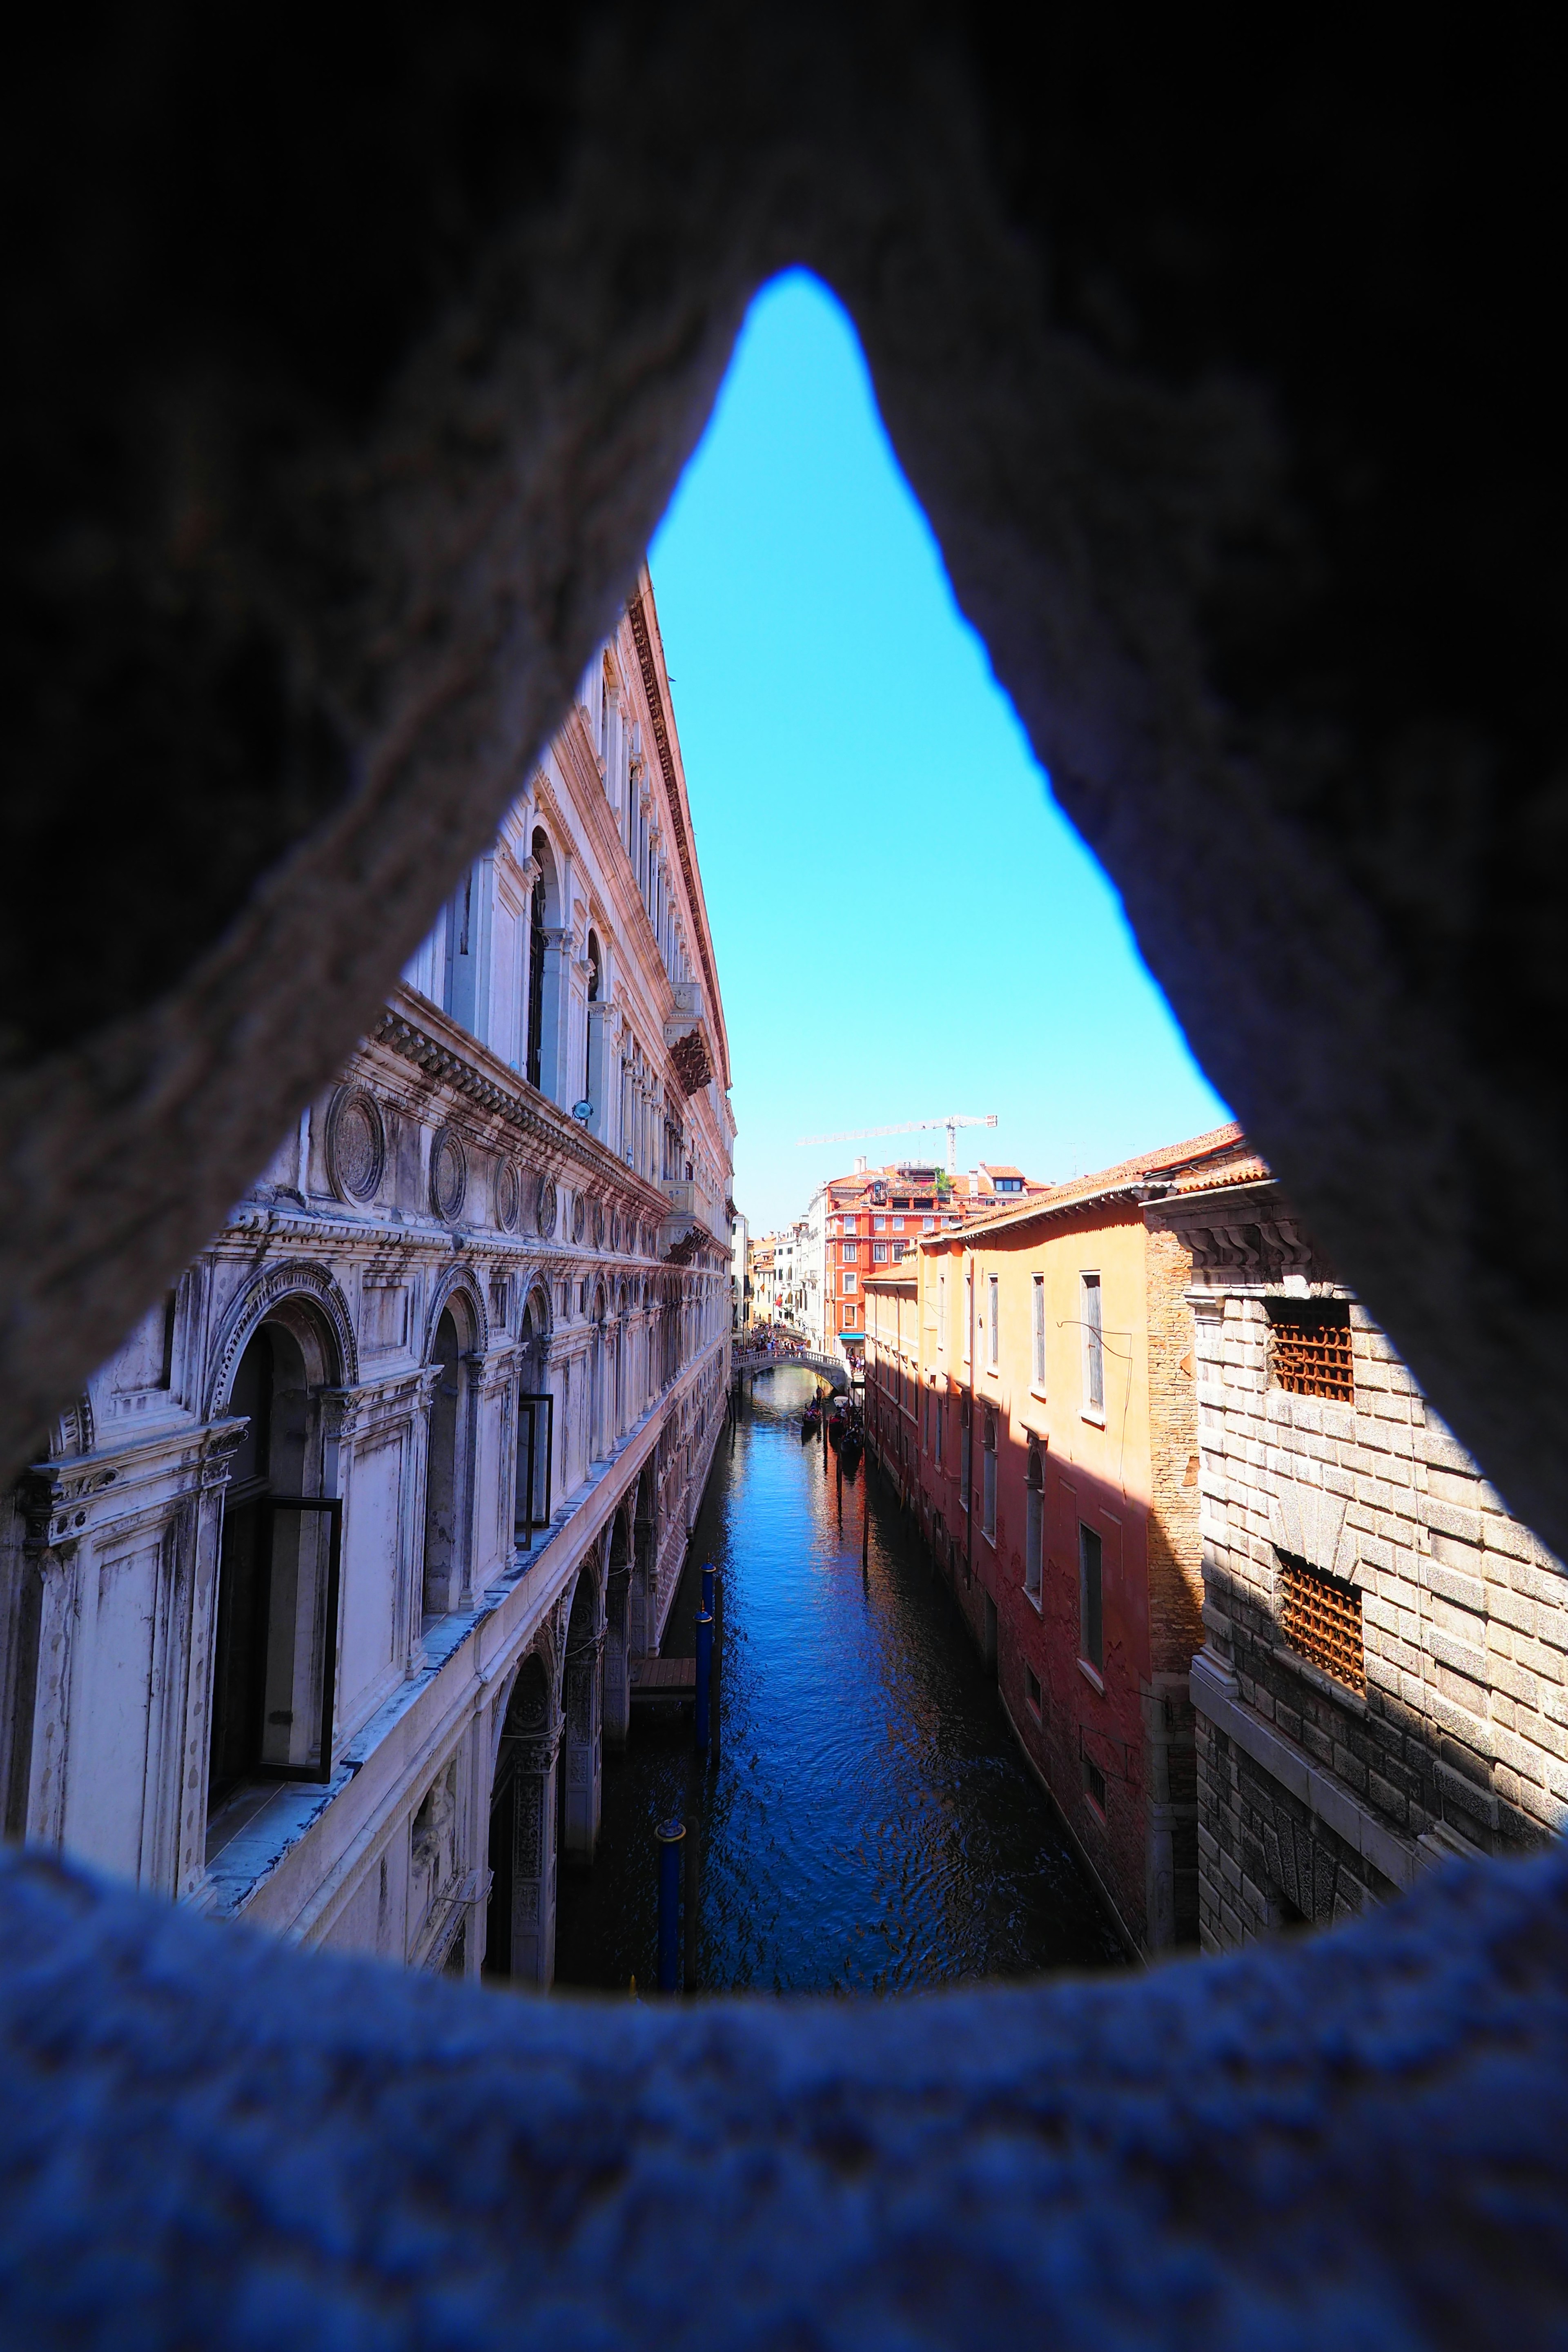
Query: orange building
[[1030, 1384]]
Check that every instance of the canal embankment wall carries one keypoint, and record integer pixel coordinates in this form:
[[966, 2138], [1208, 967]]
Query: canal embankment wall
[[969, 1599]]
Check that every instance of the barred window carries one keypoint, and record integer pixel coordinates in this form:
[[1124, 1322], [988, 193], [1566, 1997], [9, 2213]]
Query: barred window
[[1321, 1618], [1309, 1348]]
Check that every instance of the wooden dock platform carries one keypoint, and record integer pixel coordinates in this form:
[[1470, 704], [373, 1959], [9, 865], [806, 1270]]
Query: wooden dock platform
[[663, 1678]]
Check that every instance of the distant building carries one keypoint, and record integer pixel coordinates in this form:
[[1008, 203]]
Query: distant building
[[762, 1278], [739, 1273], [864, 1221], [993, 1185]]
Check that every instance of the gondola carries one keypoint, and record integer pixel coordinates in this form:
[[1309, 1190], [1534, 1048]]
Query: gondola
[[851, 1447], [836, 1426], [810, 1422]]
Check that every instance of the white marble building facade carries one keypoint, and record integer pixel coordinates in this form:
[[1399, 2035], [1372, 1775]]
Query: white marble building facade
[[321, 1604]]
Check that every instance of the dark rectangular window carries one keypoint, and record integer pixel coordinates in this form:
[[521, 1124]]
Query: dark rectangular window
[[1320, 1620], [1035, 1529], [1094, 1786], [1309, 1348], [1032, 1691], [1091, 1637], [988, 1447]]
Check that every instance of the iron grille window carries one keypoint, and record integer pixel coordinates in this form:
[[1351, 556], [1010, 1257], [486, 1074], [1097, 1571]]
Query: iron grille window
[[1321, 1618], [1309, 1349]]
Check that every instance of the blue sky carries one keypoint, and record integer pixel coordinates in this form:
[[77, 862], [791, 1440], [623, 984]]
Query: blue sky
[[905, 923]]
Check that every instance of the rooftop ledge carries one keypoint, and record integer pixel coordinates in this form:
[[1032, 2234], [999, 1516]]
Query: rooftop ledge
[[1352, 2138]]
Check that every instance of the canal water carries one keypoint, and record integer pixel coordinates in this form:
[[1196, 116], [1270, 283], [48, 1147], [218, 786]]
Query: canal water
[[871, 1826]]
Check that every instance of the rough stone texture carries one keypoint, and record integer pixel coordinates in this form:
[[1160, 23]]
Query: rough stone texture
[[350, 375], [349, 395], [1357, 2141]]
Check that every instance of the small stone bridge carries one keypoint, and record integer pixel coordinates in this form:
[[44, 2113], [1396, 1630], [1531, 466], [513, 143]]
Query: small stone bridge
[[747, 1362]]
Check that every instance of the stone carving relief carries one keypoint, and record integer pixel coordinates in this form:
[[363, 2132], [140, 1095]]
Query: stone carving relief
[[507, 1195], [1308, 1523], [1262, 1249], [692, 1062], [545, 1207], [356, 1144], [599, 1225], [579, 1216], [73, 1432], [449, 1174]]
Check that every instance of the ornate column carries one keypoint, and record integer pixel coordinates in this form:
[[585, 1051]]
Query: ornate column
[[583, 1750], [615, 1681], [533, 1763], [43, 1619]]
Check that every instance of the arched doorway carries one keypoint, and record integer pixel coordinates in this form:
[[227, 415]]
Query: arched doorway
[[443, 1565], [582, 1782], [519, 1919], [276, 1622]]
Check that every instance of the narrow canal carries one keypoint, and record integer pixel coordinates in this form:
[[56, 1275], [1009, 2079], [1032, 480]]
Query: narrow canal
[[871, 1826]]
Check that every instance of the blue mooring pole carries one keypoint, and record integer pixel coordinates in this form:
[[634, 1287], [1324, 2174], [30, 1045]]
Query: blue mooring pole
[[704, 1676], [707, 1600], [671, 1836]]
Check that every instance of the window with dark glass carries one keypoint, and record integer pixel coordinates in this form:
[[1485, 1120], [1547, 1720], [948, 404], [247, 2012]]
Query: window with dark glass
[[1091, 1636], [1034, 1525]]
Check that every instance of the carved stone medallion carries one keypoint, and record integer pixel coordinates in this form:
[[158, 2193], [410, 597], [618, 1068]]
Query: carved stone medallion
[[356, 1144], [599, 1225], [545, 1209], [509, 1196], [449, 1174], [579, 1216]]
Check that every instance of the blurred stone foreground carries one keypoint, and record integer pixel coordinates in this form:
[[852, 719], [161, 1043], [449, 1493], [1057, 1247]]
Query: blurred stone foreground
[[207, 2140]]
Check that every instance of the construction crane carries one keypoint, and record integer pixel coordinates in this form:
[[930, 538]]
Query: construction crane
[[954, 1120]]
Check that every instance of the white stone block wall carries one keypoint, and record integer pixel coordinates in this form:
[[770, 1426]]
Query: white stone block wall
[[1310, 1791]]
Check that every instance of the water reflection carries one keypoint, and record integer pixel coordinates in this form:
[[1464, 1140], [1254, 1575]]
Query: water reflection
[[871, 1826]]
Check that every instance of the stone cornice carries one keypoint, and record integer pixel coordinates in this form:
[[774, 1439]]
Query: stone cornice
[[410, 1028], [636, 614]]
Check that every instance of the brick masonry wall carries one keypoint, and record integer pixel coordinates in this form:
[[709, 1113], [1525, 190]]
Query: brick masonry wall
[[1462, 1734], [1176, 1542]]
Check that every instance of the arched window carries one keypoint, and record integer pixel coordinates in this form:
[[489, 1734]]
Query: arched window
[[275, 1639], [441, 1494], [594, 971], [536, 944], [1034, 1525]]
